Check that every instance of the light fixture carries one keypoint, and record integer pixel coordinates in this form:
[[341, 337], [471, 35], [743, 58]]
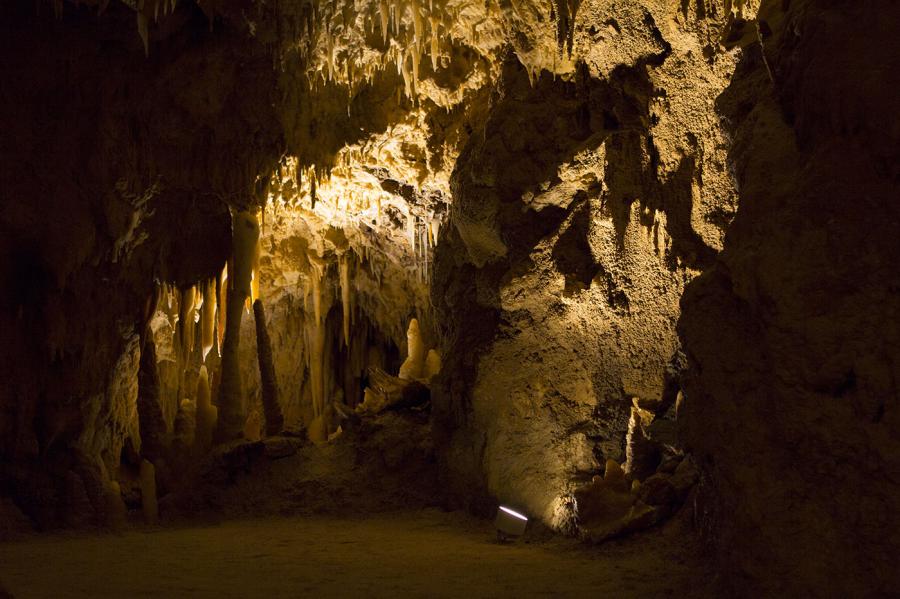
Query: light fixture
[[509, 524]]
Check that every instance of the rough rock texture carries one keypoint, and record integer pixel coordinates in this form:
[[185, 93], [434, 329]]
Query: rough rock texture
[[385, 464], [537, 183], [791, 402], [581, 206], [116, 170]]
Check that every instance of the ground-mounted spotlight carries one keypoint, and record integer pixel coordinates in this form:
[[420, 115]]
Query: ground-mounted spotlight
[[509, 524]]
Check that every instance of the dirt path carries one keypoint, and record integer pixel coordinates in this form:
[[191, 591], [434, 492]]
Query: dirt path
[[419, 554]]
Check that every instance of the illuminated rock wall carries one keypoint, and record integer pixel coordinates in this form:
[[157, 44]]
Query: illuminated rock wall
[[540, 184]]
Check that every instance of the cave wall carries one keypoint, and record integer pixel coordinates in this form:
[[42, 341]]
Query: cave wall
[[581, 207], [118, 170], [599, 154], [792, 335]]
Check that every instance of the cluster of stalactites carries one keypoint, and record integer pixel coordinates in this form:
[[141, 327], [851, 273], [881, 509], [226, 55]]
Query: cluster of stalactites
[[288, 186], [422, 234], [198, 312], [409, 30], [190, 309]]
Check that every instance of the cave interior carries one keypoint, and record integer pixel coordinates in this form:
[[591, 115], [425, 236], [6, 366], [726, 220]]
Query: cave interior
[[450, 297]]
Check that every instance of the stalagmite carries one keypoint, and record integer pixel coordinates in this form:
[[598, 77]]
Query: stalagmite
[[316, 345], [186, 320], [344, 267], [642, 456], [148, 492], [252, 426], [115, 506], [207, 415], [317, 271], [245, 235], [185, 427], [434, 227], [268, 382], [208, 317], [432, 364], [414, 364], [151, 424], [245, 232]]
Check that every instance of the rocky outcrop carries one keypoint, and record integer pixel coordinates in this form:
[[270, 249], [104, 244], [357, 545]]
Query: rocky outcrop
[[581, 206], [791, 402]]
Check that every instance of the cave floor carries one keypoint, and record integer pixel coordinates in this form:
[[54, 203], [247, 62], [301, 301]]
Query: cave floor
[[411, 554]]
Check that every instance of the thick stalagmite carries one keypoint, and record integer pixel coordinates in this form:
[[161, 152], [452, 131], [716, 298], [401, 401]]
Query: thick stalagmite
[[207, 415], [245, 232], [274, 418], [152, 426], [149, 502], [344, 267], [414, 365]]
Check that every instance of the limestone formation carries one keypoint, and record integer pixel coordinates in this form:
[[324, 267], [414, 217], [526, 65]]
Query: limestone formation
[[530, 212], [149, 504], [271, 407]]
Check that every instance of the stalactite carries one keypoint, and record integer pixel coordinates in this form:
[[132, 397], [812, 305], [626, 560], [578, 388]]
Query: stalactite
[[221, 295], [411, 232], [208, 317], [416, 57], [268, 382], [407, 80], [143, 32], [435, 48], [245, 232], [329, 48], [186, 321], [383, 8], [418, 27]]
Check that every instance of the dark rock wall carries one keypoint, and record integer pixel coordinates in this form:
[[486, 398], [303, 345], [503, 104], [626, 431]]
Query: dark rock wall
[[792, 337], [115, 170]]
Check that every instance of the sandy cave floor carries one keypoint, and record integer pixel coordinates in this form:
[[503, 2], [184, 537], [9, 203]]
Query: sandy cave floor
[[426, 553]]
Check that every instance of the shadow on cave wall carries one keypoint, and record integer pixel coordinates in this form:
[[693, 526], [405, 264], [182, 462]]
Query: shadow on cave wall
[[792, 394], [513, 156]]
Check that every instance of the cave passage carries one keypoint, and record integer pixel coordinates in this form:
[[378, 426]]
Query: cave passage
[[444, 298]]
